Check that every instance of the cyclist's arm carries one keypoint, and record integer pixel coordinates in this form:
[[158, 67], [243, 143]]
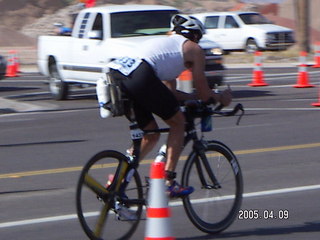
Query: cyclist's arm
[[195, 60]]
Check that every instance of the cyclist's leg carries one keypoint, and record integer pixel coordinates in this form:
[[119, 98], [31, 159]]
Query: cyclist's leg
[[149, 96], [149, 140], [174, 148], [157, 98], [175, 140]]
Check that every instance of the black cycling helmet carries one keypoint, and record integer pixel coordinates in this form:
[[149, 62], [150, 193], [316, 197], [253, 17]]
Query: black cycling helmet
[[188, 26]]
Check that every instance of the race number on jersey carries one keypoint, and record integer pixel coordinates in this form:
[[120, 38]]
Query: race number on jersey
[[125, 65]]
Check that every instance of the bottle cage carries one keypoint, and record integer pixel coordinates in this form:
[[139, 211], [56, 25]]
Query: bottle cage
[[116, 103]]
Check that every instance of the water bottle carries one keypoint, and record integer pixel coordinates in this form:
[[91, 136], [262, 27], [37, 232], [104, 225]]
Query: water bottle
[[206, 124], [161, 156], [103, 97]]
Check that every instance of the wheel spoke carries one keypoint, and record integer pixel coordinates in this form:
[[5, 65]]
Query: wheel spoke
[[101, 220], [95, 186], [213, 209], [97, 192]]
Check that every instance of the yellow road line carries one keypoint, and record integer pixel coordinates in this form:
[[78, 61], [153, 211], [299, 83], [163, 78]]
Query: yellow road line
[[275, 149], [76, 169]]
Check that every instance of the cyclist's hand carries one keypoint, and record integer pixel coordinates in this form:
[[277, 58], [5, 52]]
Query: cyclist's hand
[[225, 97]]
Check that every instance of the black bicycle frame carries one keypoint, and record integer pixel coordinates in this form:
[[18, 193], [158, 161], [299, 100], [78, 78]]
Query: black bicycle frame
[[199, 145]]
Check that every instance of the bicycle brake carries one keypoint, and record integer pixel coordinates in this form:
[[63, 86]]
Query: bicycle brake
[[214, 186]]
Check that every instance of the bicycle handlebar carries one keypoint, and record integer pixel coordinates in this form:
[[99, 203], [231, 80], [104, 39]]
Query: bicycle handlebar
[[199, 108], [233, 112]]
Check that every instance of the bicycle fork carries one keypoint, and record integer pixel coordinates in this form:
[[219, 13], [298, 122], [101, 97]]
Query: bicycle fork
[[202, 161]]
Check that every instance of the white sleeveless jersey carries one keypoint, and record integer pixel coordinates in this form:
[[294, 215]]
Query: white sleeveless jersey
[[165, 55]]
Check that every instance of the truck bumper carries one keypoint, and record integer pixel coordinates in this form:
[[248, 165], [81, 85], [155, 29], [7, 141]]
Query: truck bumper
[[278, 45]]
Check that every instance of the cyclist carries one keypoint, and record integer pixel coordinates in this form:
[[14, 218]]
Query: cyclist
[[149, 81]]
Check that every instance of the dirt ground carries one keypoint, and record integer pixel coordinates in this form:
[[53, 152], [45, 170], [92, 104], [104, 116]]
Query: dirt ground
[[22, 21]]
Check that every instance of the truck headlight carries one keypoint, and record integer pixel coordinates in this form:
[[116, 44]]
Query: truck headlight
[[271, 36], [213, 51], [216, 51]]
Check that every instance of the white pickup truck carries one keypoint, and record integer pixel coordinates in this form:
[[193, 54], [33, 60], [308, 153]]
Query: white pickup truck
[[103, 33], [248, 31]]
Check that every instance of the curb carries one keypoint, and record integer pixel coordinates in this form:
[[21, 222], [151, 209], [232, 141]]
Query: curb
[[34, 68], [265, 65]]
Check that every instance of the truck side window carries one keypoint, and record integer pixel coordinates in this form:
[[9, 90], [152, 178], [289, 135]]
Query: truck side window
[[211, 22], [230, 23], [98, 24], [83, 25]]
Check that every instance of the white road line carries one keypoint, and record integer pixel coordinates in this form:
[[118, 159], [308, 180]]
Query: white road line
[[282, 109], [172, 204], [37, 220], [268, 77]]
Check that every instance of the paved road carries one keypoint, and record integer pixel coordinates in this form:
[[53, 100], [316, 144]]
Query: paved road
[[44, 143]]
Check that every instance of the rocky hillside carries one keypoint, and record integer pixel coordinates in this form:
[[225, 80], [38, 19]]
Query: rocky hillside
[[23, 20], [15, 14]]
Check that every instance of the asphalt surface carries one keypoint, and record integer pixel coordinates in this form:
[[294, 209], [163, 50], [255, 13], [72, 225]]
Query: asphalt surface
[[10, 105], [44, 143]]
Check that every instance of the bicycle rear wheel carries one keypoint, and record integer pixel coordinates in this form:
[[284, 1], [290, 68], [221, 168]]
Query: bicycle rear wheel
[[98, 203], [210, 208]]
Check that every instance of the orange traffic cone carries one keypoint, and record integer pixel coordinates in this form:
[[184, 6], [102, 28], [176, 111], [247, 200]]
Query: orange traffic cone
[[11, 70], [90, 3], [158, 224], [317, 55], [303, 76], [16, 61], [185, 81], [258, 76], [317, 104]]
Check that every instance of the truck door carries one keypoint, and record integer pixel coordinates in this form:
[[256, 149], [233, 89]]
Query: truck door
[[223, 30], [88, 49], [232, 33], [213, 31]]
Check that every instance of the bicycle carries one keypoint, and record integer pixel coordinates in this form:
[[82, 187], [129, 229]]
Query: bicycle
[[110, 194]]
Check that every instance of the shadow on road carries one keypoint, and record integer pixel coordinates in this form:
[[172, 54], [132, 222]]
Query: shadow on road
[[251, 93], [41, 143], [286, 230]]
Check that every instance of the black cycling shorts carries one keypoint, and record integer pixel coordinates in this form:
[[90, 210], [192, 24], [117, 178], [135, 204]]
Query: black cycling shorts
[[148, 94]]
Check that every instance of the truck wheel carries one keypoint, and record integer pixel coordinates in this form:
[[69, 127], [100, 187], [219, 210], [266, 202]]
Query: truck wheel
[[251, 46], [58, 88], [3, 67]]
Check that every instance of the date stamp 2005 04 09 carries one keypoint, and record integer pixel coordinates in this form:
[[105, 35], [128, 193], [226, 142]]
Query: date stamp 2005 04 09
[[255, 214]]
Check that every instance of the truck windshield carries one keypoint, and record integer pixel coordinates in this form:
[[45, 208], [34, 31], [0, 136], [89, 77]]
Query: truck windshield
[[253, 18], [130, 24]]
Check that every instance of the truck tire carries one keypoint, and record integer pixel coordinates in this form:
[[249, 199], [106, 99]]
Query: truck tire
[[251, 46], [58, 88], [3, 67]]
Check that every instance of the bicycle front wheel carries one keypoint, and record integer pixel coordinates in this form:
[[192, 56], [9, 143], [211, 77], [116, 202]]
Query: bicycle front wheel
[[215, 203], [98, 202]]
